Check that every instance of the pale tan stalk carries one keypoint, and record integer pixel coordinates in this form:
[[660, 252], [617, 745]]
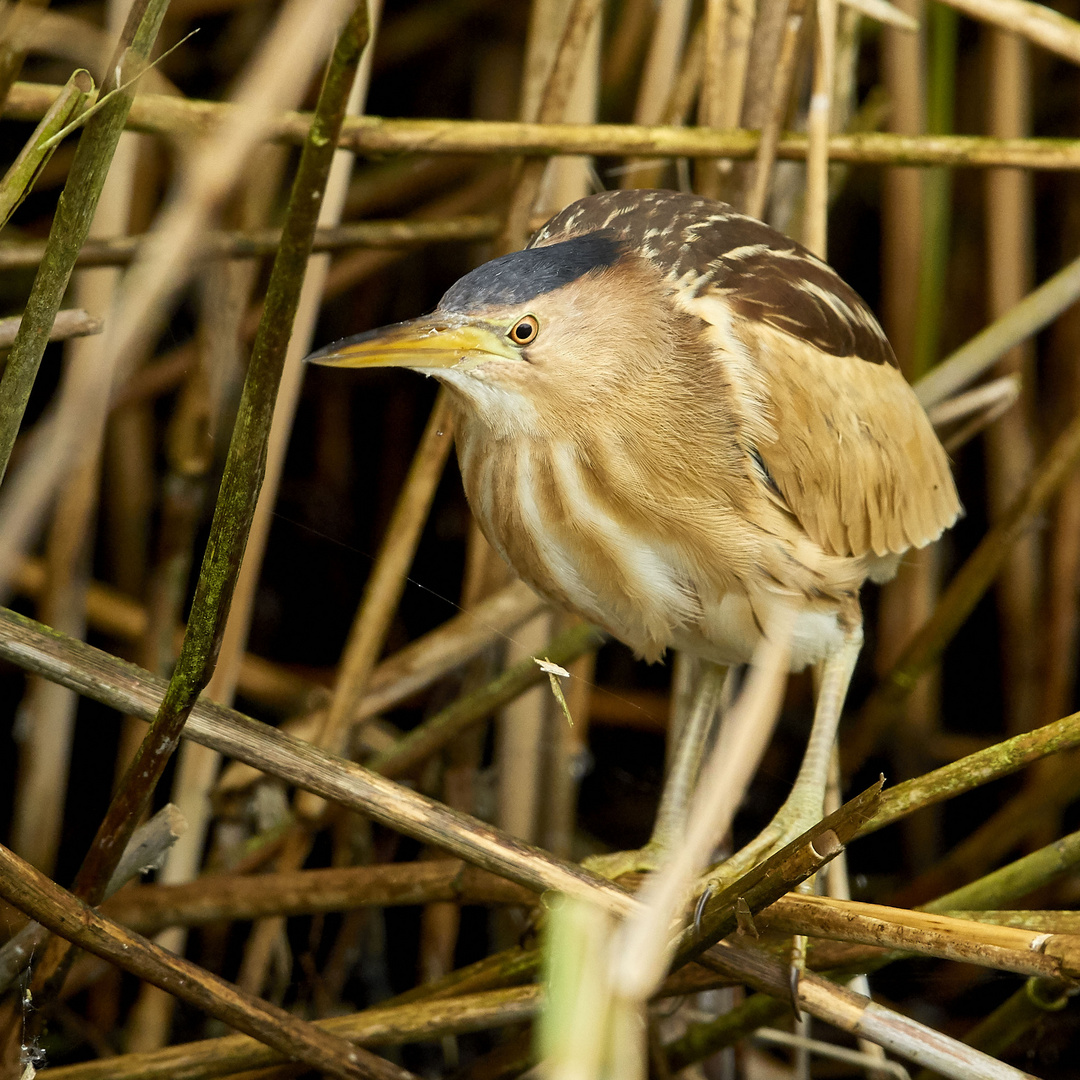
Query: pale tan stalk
[[386, 583], [818, 125], [662, 64], [757, 199], [195, 427], [717, 86], [70, 323], [521, 729], [1011, 451], [1037, 23], [567, 749]]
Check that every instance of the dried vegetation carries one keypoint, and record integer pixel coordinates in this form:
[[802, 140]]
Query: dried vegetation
[[359, 791]]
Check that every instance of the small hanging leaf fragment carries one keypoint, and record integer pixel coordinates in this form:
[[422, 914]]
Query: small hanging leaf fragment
[[554, 673]]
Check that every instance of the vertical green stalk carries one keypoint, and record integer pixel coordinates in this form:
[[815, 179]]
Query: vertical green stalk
[[244, 469], [71, 224], [937, 189]]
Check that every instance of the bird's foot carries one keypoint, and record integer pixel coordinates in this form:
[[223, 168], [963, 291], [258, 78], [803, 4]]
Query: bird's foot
[[785, 827], [615, 864]]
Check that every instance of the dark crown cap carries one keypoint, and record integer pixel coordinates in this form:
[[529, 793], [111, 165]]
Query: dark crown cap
[[522, 275]]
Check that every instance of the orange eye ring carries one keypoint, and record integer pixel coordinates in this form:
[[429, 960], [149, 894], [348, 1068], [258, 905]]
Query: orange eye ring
[[524, 331]]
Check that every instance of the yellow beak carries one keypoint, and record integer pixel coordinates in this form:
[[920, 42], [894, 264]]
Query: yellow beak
[[432, 341]]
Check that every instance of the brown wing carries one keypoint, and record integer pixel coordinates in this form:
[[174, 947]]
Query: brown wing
[[855, 457]]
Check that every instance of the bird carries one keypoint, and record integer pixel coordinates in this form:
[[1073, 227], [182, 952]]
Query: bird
[[673, 420]]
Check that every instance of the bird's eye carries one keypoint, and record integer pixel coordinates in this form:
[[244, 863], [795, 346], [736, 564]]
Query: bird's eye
[[524, 330]]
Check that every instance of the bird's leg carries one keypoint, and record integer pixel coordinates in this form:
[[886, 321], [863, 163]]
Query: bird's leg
[[681, 779], [803, 807]]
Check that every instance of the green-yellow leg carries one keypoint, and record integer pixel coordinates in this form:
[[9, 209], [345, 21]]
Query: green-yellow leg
[[803, 807], [679, 787]]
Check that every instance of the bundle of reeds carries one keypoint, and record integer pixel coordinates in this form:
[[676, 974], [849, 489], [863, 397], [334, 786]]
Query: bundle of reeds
[[359, 797]]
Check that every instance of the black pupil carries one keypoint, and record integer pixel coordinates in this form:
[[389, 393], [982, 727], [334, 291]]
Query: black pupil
[[523, 331]]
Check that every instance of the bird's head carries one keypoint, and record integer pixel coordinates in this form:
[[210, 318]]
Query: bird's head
[[532, 340]]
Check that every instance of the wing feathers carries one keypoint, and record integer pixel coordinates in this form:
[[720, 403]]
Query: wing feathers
[[855, 456]]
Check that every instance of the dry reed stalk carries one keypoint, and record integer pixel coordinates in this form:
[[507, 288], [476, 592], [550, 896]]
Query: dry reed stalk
[[520, 724], [49, 710], [371, 135], [970, 412], [268, 933], [818, 126], [656, 89], [662, 60], [521, 728], [907, 600], [58, 35], [779, 102], [386, 582], [254, 243], [863, 1018], [274, 80], [1062, 615], [530, 752], [1038, 24], [381, 1026], [768, 22], [219, 897], [567, 750], [69, 323], [1040, 307], [1024, 952], [1011, 450], [558, 87], [66, 915], [718, 87], [19, 22], [126, 687], [224, 684]]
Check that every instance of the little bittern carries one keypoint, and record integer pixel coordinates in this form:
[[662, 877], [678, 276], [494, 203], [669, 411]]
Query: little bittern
[[670, 418]]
